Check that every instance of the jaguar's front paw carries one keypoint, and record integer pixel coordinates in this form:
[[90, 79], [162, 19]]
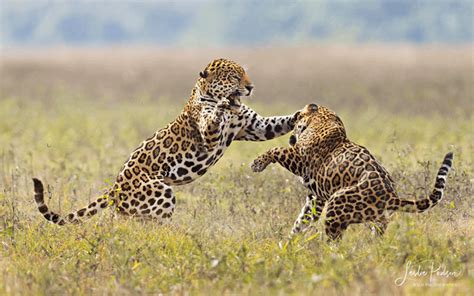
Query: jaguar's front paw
[[260, 163], [226, 106], [222, 108]]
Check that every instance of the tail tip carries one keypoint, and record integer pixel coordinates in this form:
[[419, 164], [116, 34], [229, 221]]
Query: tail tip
[[38, 185], [448, 159]]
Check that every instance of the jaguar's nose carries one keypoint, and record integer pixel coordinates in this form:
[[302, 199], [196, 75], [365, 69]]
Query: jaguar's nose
[[249, 88]]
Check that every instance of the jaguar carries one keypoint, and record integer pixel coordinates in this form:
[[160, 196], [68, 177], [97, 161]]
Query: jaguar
[[342, 176], [184, 150]]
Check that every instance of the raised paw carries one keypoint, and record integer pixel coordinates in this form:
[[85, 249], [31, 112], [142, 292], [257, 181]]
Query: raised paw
[[260, 163], [221, 108], [226, 105]]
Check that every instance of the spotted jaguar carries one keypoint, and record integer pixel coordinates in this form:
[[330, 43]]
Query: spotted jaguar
[[184, 150], [343, 176]]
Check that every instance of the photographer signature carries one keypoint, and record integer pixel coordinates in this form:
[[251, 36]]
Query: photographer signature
[[417, 271]]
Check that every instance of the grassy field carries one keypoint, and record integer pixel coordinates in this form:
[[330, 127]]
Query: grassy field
[[71, 117]]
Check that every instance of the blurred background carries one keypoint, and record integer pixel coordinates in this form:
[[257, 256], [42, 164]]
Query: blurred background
[[233, 23], [343, 53]]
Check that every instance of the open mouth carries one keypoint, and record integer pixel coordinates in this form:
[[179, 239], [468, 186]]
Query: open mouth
[[242, 93], [234, 100]]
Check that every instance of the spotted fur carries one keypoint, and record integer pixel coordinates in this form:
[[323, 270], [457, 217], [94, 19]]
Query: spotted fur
[[185, 149], [342, 175]]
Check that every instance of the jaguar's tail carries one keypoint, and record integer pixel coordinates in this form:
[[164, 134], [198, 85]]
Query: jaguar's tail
[[74, 217], [418, 206]]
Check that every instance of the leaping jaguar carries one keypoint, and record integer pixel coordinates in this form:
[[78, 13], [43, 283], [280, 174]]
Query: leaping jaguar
[[185, 149]]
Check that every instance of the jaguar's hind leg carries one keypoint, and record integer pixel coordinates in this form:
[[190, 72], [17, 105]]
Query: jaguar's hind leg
[[150, 200], [335, 228], [346, 206], [311, 211], [379, 225]]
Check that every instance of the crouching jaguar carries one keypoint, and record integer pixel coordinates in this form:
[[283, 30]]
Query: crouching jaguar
[[185, 149], [343, 175]]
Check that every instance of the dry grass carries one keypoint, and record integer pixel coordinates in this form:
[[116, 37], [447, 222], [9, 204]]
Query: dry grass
[[72, 116]]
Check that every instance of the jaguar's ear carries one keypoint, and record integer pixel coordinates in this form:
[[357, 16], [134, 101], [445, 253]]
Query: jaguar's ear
[[313, 107], [204, 74], [297, 116]]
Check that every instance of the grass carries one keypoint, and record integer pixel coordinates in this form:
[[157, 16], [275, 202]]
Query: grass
[[228, 235]]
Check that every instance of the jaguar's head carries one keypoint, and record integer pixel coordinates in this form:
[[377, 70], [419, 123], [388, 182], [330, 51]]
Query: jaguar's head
[[323, 120], [225, 79]]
